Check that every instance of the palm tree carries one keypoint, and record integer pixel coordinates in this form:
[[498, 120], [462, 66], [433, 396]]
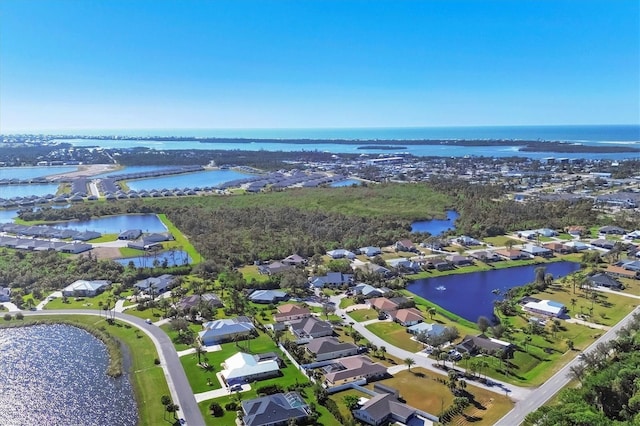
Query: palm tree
[[356, 336], [409, 362], [573, 301], [199, 350], [383, 351], [432, 312]]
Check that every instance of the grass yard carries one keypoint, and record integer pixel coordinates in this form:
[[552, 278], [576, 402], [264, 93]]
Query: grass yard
[[173, 334], [105, 238], [346, 302], [86, 302], [563, 236], [338, 398], [147, 378], [631, 286], [395, 334], [421, 389], [361, 315], [250, 273], [180, 241]]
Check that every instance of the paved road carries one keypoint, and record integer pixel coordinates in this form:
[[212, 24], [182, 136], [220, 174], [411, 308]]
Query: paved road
[[543, 393], [179, 386]]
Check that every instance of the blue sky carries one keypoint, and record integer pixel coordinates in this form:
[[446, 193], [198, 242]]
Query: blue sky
[[82, 64]]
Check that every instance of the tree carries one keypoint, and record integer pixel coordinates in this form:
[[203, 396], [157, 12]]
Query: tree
[[199, 351], [432, 312], [483, 323], [355, 336], [383, 351], [570, 344], [351, 401], [409, 362], [216, 410]]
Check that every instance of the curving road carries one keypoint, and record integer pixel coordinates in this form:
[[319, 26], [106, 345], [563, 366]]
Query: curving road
[[179, 386]]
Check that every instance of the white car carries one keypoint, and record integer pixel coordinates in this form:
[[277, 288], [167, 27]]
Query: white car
[[148, 321]]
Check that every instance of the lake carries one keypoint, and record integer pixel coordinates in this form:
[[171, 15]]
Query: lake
[[39, 190], [173, 258], [436, 226], [470, 295], [186, 180], [33, 172], [116, 224], [346, 182], [56, 375]]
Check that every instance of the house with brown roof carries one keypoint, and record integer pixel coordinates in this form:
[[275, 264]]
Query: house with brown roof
[[324, 348], [576, 230], [458, 260], [290, 312], [353, 368], [405, 245], [382, 304], [385, 408], [619, 271], [511, 254], [407, 317], [557, 247]]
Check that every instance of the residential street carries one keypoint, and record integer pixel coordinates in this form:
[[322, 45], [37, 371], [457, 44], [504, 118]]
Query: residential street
[[179, 387]]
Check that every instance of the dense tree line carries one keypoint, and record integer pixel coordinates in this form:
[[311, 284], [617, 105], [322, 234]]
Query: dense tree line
[[609, 392]]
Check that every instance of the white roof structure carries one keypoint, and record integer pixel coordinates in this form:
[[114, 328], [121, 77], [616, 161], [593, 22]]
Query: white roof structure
[[548, 307], [242, 365], [84, 285]]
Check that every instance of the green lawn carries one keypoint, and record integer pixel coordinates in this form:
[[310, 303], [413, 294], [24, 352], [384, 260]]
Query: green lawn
[[105, 238], [148, 379], [173, 334], [250, 272], [180, 241], [346, 302], [85, 302], [395, 334], [566, 237], [363, 315]]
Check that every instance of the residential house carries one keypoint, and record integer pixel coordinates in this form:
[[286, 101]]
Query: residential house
[[324, 348], [268, 296], [353, 368], [222, 330], [405, 265], [438, 265], [612, 230], [603, 243], [156, 285], [294, 260], [290, 312], [84, 288], [576, 231], [548, 308], [368, 291], [75, 248], [426, 328], [274, 410], [604, 280], [535, 250], [467, 241], [370, 251], [557, 248], [245, 368], [476, 344], [405, 245], [332, 279], [458, 260], [87, 235], [407, 316], [576, 245], [130, 234], [629, 265], [273, 268], [382, 304], [385, 408], [619, 271], [341, 254], [5, 294], [310, 327], [511, 254], [371, 268], [207, 299], [485, 256]]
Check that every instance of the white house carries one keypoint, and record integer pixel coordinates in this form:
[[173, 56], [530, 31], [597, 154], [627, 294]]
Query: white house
[[243, 368], [84, 288], [545, 307]]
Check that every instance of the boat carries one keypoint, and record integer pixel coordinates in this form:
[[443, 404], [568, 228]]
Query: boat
[[441, 288]]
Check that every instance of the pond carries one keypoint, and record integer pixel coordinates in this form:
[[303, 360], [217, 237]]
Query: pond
[[34, 172], [56, 375], [172, 257], [186, 180], [471, 295], [116, 224], [436, 226], [346, 182], [37, 189]]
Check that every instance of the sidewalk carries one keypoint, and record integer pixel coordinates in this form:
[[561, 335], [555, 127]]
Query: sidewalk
[[217, 393], [212, 348]]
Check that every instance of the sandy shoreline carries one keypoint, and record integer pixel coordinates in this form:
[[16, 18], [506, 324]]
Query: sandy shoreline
[[86, 170]]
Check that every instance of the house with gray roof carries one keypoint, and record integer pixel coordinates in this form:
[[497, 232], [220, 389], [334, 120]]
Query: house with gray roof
[[324, 348], [274, 268], [156, 285], [385, 408], [268, 296], [130, 234], [207, 299], [341, 254], [274, 410], [370, 251], [535, 250], [368, 291], [5, 294], [75, 248], [294, 260], [84, 288], [604, 280], [332, 279], [310, 327], [476, 344], [430, 330], [222, 330]]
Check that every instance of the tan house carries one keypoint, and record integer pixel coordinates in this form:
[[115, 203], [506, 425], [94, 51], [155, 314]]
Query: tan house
[[407, 317], [353, 368], [290, 312], [383, 304]]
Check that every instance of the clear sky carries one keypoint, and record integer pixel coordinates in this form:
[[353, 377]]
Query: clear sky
[[118, 64]]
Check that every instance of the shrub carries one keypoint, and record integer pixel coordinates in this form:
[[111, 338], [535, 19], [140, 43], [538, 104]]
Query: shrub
[[216, 409], [156, 361], [19, 316], [7, 317], [269, 389], [231, 406]]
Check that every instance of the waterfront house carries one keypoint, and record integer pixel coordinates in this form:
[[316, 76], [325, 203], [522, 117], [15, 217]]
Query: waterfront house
[[476, 344], [535, 250], [290, 312], [407, 316], [245, 368], [156, 285], [458, 260], [576, 245], [324, 348], [404, 265], [218, 331], [512, 254], [604, 280], [557, 248], [268, 296], [385, 408], [130, 234], [310, 327], [431, 330], [274, 410], [485, 256], [84, 288], [353, 368], [548, 308]]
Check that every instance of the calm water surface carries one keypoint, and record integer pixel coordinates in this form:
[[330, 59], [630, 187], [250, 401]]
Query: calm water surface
[[187, 180], [436, 226], [11, 191], [116, 224], [346, 182], [470, 295], [56, 375], [33, 172]]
